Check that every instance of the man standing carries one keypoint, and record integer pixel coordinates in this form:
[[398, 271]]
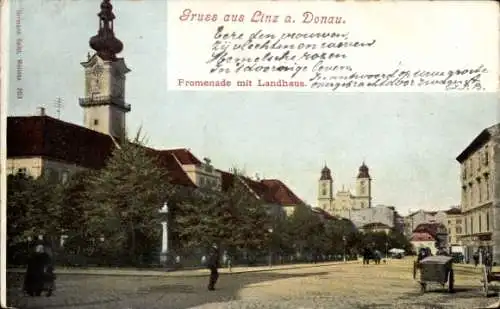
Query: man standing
[[476, 258], [213, 264]]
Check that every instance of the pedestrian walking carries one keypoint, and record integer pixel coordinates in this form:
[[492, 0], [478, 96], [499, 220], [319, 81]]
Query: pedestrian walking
[[229, 263], [39, 272], [366, 255], [476, 258], [488, 261], [213, 263]]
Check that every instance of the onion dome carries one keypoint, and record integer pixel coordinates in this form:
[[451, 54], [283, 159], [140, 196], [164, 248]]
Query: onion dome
[[326, 174], [363, 171], [105, 43]]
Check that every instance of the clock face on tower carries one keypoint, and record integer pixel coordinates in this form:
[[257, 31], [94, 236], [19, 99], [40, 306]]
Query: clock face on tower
[[95, 79]]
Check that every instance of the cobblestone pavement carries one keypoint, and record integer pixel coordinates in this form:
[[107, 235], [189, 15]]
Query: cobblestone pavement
[[332, 286]]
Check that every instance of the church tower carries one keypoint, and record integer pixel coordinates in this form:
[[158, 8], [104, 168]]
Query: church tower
[[325, 190], [104, 102], [363, 188]]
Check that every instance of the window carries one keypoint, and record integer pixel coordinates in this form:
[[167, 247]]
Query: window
[[458, 230], [464, 196], [202, 181], [22, 171], [486, 157], [471, 226], [480, 224], [487, 185], [96, 122], [459, 221], [323, 192], [466, 226], [471, 192], [487, 222], [479, 191]]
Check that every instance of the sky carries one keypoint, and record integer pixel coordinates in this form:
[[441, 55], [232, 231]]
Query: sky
[[408, 140]]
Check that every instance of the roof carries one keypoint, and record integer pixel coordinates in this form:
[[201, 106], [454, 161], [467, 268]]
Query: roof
[[363, 171], [280, 193], [325, 174], [184, 156], [478, 142], [176, 173], [324, 214], [453, 211], [431, 213], [269, 190], [421, 236], [431, 228], [44, 136], [375, 225]]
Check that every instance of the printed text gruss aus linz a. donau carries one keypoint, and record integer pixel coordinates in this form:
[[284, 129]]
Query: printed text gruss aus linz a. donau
[[258, 16]]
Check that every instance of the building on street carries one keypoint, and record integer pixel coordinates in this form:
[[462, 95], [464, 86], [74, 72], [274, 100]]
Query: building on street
[[427, 232], [454, 225], [418, 217], [480, 193]]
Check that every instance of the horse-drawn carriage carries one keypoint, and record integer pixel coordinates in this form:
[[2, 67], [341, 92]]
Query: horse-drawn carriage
[[436, 270]]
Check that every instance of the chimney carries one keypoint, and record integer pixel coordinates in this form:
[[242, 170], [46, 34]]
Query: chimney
[[41, 111]]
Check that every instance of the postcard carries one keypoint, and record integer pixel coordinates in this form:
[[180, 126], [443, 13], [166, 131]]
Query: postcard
[[242, 154]]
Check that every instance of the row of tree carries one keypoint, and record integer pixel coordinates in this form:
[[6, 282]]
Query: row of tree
[[111, 215]]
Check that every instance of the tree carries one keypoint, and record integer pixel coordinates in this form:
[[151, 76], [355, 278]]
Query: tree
[[122, 202], [304, 227], [203, 218], [341, 235], [33, 208], [399, 241], [73, 219], [252, 230]]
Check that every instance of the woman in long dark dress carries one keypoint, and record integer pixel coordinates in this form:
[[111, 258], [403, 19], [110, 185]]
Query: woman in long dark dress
[[37, 277]]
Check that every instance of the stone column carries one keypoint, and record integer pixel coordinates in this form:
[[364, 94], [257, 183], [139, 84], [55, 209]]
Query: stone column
[[164, 237]]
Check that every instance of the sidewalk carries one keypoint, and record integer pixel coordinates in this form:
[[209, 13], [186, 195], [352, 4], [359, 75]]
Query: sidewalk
[[179, 273]]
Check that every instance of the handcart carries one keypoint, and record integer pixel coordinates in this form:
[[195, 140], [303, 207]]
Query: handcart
[[434, 270]]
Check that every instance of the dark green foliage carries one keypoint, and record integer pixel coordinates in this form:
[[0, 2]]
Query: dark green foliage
[[122, 202], [233, 219], [33, 208]]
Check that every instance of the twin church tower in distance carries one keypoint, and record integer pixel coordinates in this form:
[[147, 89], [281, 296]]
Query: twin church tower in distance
[[344, 201]]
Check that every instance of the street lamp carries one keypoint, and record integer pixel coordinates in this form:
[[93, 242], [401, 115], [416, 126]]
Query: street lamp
[[345, 247], [164, 235], [270, 245]]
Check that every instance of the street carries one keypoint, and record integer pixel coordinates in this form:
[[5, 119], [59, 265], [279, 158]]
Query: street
[[328, 286]]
